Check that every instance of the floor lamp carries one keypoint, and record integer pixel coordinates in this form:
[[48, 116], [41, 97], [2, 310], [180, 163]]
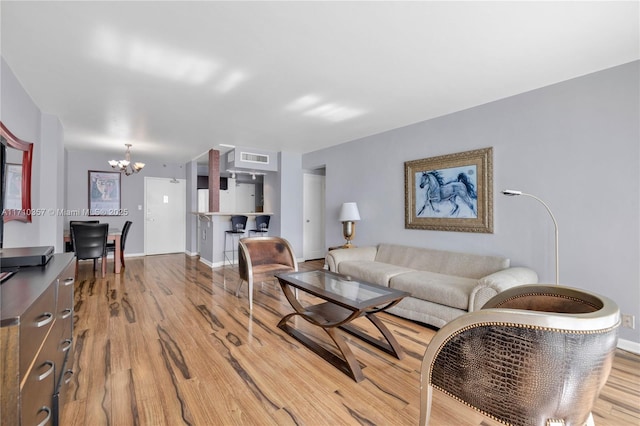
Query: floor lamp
[[512, 193]]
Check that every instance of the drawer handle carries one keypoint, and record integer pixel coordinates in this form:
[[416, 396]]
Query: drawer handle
[[66, 313], [68, 375], [46, 420], [68, 281], [46, 373], [66, 344], [44, 319]]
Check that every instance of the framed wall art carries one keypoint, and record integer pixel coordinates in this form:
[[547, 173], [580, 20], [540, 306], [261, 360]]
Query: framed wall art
[[104, 193], [451, 192]]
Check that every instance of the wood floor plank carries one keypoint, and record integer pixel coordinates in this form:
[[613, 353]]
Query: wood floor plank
[[167, 342]]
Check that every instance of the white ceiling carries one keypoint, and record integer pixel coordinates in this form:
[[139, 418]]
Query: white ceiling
[[178, 78]]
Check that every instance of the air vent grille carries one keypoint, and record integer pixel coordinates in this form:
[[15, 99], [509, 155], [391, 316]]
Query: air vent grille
[[254, 158]]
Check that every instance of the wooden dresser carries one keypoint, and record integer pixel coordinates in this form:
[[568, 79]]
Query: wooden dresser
[[36, 342]]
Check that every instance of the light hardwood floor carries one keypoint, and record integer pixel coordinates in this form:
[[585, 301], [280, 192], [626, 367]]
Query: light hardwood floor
[[167, 343]]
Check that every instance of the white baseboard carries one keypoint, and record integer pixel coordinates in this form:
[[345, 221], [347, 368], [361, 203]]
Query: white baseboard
[[191, 254], [143, 255], [206, 262], [134, 255], [628, 345]]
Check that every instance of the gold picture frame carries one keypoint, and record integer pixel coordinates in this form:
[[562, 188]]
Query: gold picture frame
[[451, 192]]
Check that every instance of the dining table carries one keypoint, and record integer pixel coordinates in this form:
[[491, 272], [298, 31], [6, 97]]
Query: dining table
[[114, 235]]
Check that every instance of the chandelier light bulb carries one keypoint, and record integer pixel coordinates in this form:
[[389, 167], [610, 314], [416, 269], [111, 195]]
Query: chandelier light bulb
[[123, 165]]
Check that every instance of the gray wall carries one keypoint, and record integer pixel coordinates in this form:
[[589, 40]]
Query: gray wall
[[25, 120], [191, 173], [290, 202], [132, 189], [573, 144]]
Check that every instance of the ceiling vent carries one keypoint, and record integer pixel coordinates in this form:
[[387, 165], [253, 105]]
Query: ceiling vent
[[254, 158], [251, 160]]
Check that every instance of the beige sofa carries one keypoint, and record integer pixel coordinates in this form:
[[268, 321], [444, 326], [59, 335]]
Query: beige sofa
[[443, 284]]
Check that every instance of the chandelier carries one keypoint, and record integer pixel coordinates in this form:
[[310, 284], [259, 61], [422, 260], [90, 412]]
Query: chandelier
[[125, 166]]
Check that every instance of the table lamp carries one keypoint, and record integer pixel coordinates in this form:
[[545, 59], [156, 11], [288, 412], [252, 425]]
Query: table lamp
[[513, 193], [349, 214]]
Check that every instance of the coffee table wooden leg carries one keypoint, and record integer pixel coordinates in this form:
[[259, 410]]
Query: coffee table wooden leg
[[349, 357], [348, 364], [392, 347], [395, 346]]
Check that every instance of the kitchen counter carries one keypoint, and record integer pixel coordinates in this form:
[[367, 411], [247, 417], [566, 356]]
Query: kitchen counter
[[211, 234]]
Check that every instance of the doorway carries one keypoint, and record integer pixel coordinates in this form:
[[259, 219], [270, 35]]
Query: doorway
[[165, 215], [313, 244]]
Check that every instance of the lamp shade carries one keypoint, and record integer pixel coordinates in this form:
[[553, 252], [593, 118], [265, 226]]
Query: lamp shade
[[349, 212]]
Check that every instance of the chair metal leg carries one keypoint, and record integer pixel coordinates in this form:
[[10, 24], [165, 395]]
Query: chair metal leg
[[426, 397], [233, 249], [250, 294], [240, 281], [590, 421]]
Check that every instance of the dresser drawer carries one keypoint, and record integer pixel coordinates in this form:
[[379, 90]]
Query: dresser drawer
[[35, 325], [36, 401]]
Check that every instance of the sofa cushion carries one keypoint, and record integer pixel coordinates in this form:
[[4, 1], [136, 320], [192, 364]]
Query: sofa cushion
[[444, 289], [440, 261], [371, 271]]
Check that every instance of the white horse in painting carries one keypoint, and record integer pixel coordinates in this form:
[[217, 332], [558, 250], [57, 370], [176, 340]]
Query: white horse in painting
[[438, 192]]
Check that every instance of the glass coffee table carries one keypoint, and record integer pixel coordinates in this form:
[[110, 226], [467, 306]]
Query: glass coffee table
[[345, 300]]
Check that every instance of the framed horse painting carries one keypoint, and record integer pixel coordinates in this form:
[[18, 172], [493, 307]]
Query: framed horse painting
[[451, 192]]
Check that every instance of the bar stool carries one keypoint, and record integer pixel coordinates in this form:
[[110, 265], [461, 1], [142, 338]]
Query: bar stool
[[262, 225], [238, 225]]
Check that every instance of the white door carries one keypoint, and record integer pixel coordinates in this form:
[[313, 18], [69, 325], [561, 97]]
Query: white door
[[165, 215], [313, 246], [245, 198]]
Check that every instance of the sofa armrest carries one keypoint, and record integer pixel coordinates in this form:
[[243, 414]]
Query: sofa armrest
[[334, 257], [497, 282]]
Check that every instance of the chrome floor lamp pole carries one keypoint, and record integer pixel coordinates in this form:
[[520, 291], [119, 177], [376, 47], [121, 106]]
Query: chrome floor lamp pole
[[511, 192]]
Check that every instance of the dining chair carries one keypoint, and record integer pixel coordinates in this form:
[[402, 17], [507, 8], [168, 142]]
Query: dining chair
[[69, 245], [261, 258], [111, 247], [90, 242]]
